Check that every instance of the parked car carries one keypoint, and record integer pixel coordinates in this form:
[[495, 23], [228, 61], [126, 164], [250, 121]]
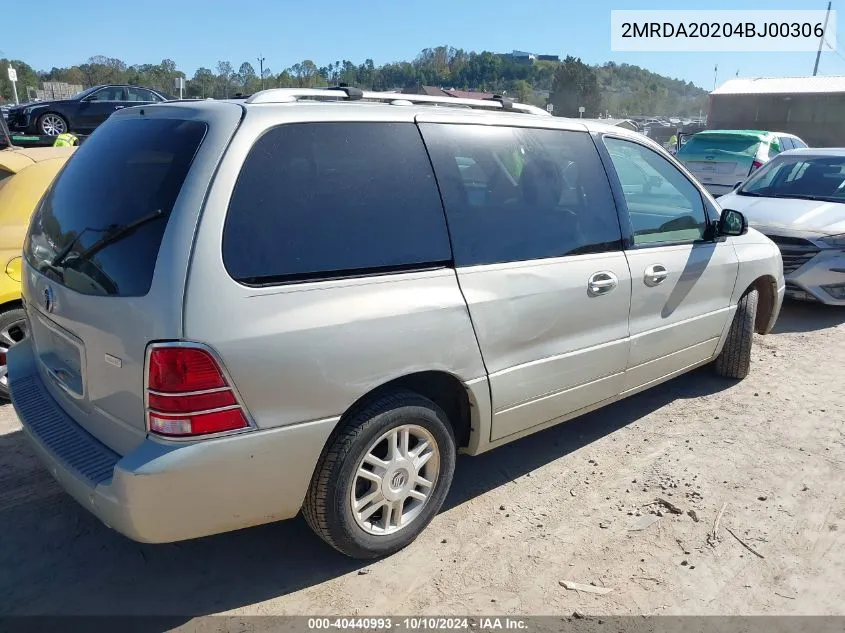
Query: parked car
[[719, 158], [25, 175], [798, 201], [82, 113], [241, 310]]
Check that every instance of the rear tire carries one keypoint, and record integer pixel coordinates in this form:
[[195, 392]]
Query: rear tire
[[735, 358], [12, 330], [337, 507]]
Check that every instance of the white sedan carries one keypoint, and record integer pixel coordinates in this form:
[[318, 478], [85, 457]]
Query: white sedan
[[798, 201]]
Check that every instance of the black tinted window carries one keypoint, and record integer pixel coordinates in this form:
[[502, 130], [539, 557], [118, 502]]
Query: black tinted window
[[514, 194], [326, 199], [99, 228], [786, 143]]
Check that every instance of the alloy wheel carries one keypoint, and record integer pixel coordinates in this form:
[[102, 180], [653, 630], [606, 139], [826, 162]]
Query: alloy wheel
[[13, 333], [395, 480], [53, 125]]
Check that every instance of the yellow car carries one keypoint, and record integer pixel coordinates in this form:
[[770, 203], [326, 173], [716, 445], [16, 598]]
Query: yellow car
[[25, 175]]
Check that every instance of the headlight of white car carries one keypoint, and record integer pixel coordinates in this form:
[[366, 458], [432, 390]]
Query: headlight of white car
[[834, 241]]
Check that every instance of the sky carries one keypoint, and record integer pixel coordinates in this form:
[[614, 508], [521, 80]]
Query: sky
[[197, 33]]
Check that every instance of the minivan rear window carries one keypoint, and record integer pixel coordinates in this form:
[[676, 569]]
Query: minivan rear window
[[99, 227]]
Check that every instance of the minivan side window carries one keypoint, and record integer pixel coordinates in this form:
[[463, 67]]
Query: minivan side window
[[515, 194], [334, 199], [664, 206]]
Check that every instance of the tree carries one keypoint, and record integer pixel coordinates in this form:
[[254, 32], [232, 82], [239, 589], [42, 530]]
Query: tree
[[246, 73], [224, 78], [575, 85], [304, 73], [618, 87], [27, 78], [202, 84]]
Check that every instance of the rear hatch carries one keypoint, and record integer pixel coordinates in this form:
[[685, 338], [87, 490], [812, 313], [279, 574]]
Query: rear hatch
[[721, 160], [106, 258]]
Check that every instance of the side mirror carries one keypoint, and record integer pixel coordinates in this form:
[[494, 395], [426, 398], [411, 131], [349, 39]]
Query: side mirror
[[732, 223], [655, 181]]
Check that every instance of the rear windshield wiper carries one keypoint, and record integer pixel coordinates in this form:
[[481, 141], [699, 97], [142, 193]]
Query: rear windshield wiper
[[115, 234]]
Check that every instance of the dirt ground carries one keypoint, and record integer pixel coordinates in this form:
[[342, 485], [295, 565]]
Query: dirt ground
[[562, 505]]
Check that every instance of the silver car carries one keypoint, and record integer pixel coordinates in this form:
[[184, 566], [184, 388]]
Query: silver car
[[312, 300], [798, 200]]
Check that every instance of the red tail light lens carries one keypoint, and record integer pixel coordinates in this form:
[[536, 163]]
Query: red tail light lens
[[188, 394], [196, 402], [180, 369], [755, 166]]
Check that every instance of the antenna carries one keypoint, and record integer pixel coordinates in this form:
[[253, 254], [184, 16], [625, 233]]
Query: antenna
[[821, 43]]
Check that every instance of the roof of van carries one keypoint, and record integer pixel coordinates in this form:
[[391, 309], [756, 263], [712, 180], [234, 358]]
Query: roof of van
[[369, 105]]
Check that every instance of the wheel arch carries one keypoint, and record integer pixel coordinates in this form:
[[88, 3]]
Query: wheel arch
[[767, 302], [446, 390]]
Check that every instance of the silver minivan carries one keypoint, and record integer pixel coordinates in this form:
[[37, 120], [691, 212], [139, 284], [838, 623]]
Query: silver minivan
[[313, 300]]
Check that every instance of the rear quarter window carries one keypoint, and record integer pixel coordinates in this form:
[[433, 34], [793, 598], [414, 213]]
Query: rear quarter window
[[99, 227], [323, 200]]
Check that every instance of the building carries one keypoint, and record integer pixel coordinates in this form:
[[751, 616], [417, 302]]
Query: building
[[812, 108], [431, 91], [523, 56], [53, 90]]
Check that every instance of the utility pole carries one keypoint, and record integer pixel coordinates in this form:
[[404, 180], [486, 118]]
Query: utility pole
[[261, 70], [821, 43], [715, 75]]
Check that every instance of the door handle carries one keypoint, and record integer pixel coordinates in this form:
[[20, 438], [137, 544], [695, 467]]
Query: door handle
[[601, 283], [655, 275]]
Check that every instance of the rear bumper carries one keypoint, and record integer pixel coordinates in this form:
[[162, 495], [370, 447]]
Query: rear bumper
[[167, 491]]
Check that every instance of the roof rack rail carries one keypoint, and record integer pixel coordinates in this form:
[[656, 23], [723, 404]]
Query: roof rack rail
[[507, 104], [348, 93]]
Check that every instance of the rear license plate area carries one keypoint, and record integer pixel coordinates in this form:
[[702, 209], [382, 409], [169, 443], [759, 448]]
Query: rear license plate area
[[60, 355]]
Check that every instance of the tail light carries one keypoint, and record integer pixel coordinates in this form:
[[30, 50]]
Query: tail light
[[188, 393], [755, 166]]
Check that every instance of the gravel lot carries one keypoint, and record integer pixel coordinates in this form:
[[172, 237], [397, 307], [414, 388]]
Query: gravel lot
[[562, 505]]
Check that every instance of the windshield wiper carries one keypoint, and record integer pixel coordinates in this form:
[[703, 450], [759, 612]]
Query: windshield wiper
[[796, 196], [114, 234]]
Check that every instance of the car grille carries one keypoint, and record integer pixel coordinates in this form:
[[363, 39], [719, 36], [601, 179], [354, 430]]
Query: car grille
[[795, 251]]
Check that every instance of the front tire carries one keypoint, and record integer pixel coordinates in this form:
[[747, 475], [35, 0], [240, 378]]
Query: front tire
[[52, 124], [12, 331], [384, 477], [735, 359]]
